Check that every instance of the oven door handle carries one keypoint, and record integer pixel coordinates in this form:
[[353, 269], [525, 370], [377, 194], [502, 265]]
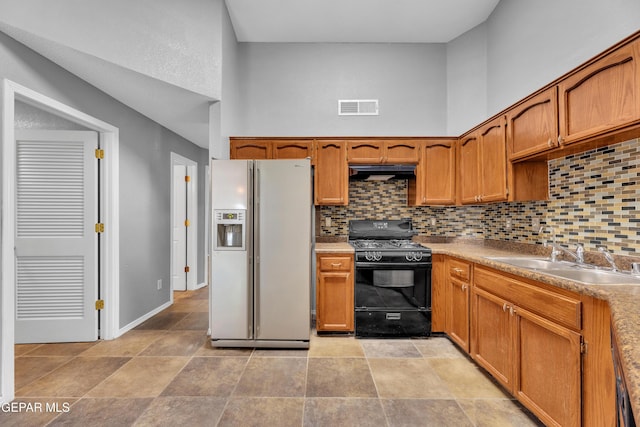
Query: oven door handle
[[393, 265]]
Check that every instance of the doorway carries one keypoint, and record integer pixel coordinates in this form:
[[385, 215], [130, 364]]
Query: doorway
[[184, 223], [109, 239]]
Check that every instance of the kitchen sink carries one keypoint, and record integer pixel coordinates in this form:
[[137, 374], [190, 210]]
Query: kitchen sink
[[595, 277], [572, 271], [535, 263]]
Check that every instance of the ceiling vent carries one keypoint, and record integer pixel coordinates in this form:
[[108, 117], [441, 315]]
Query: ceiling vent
[[357, 107]]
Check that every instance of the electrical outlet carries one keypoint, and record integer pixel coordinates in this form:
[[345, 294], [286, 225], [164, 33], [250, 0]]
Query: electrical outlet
[[509, 224], [327, 221], [535, 223], [159, 284], [433, 221]]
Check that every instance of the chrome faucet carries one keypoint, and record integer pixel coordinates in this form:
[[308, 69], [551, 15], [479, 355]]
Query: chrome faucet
[[557, 249], [608, 257], [554, 244], [578, 255]]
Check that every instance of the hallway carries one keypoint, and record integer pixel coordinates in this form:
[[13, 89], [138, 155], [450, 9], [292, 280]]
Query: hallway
[[164, 372]]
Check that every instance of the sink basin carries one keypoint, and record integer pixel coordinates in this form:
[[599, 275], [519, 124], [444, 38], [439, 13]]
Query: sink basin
[[595, 277], [534, 263]]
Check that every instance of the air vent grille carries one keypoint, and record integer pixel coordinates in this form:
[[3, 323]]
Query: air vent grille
[[358, 107]]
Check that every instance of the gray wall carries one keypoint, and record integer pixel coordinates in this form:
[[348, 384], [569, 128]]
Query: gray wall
[[145, 179], [531, 43], [292, 89]]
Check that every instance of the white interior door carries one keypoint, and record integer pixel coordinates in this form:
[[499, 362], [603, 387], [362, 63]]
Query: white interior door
[[56, 244], [179, 229]]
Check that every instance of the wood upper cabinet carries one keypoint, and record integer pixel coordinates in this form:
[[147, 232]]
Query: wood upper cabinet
[[331, 180], [261, 149], [482, 164], [537, 357], [372, 151], [292, 149], [457, 318], [532, 127], [435, 182], [601, 97], [469, 168], [334, 292], [250, 149]]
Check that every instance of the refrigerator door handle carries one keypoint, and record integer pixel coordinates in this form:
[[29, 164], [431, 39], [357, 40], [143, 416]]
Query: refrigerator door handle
[[250, 249], [256, 252]]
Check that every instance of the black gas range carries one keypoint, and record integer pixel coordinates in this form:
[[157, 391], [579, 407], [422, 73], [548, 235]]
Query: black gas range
[[393, 280]]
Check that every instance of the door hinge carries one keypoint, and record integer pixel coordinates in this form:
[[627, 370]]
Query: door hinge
[[583, 347], [187, 223], [186, 269], [187, 178], [99, 153], [100, 304], [100, 227]]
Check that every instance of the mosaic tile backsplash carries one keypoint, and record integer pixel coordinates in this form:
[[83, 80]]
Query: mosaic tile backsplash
[[593, 199]]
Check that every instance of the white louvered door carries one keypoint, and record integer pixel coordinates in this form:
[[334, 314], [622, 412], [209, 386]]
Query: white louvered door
[[56, 243]]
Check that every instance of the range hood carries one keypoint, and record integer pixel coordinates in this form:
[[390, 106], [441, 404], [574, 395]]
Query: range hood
[[381, 172]]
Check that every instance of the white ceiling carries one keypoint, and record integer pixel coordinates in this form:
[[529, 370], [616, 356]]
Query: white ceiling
[[366, 21]]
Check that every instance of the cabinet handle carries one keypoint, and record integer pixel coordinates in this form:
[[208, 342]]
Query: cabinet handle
[[504, 307], [512, 310], [560, 139], [336, 264], [457, 270], [550, 143], [463, 287]]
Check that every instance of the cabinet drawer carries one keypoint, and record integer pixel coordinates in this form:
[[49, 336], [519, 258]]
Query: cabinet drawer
[[335, 263], [459, 269], [553, 306]]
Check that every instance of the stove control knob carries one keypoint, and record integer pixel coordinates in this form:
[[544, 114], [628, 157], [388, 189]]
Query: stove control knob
[[378, 256], [417, 256], [409, 256], [368, 256]]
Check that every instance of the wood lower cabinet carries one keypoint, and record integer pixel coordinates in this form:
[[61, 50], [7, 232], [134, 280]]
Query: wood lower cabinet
[[435, 182], [438, 293], [334, 292], [537, 357], [331, 181], [458, 284], [602, 96]]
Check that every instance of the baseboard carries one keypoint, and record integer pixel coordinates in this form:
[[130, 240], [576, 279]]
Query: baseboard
[[142, 319]]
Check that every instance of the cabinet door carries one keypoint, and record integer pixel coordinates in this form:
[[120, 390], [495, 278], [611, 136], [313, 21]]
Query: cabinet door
[[492, 338], [532, 127], [334, 293], [458, 315], [438, 168], [602, 96], [365, 152], [468, 169], [330, 178], [493, 162], [548, 369], [250, 149], [291, 149], [401, 152]]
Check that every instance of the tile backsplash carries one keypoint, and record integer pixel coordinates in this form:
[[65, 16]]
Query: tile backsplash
[[592, 199]]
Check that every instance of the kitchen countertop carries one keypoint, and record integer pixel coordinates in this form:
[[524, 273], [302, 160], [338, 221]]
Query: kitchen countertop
[[334, 247], [623, 300]]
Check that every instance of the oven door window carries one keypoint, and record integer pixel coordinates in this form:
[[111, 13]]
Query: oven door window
[[391, 288]]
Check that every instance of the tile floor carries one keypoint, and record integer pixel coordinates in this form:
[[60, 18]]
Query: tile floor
[[164, 373]]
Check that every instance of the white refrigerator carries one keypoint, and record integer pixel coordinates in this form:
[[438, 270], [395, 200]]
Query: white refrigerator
[[261, 253]]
